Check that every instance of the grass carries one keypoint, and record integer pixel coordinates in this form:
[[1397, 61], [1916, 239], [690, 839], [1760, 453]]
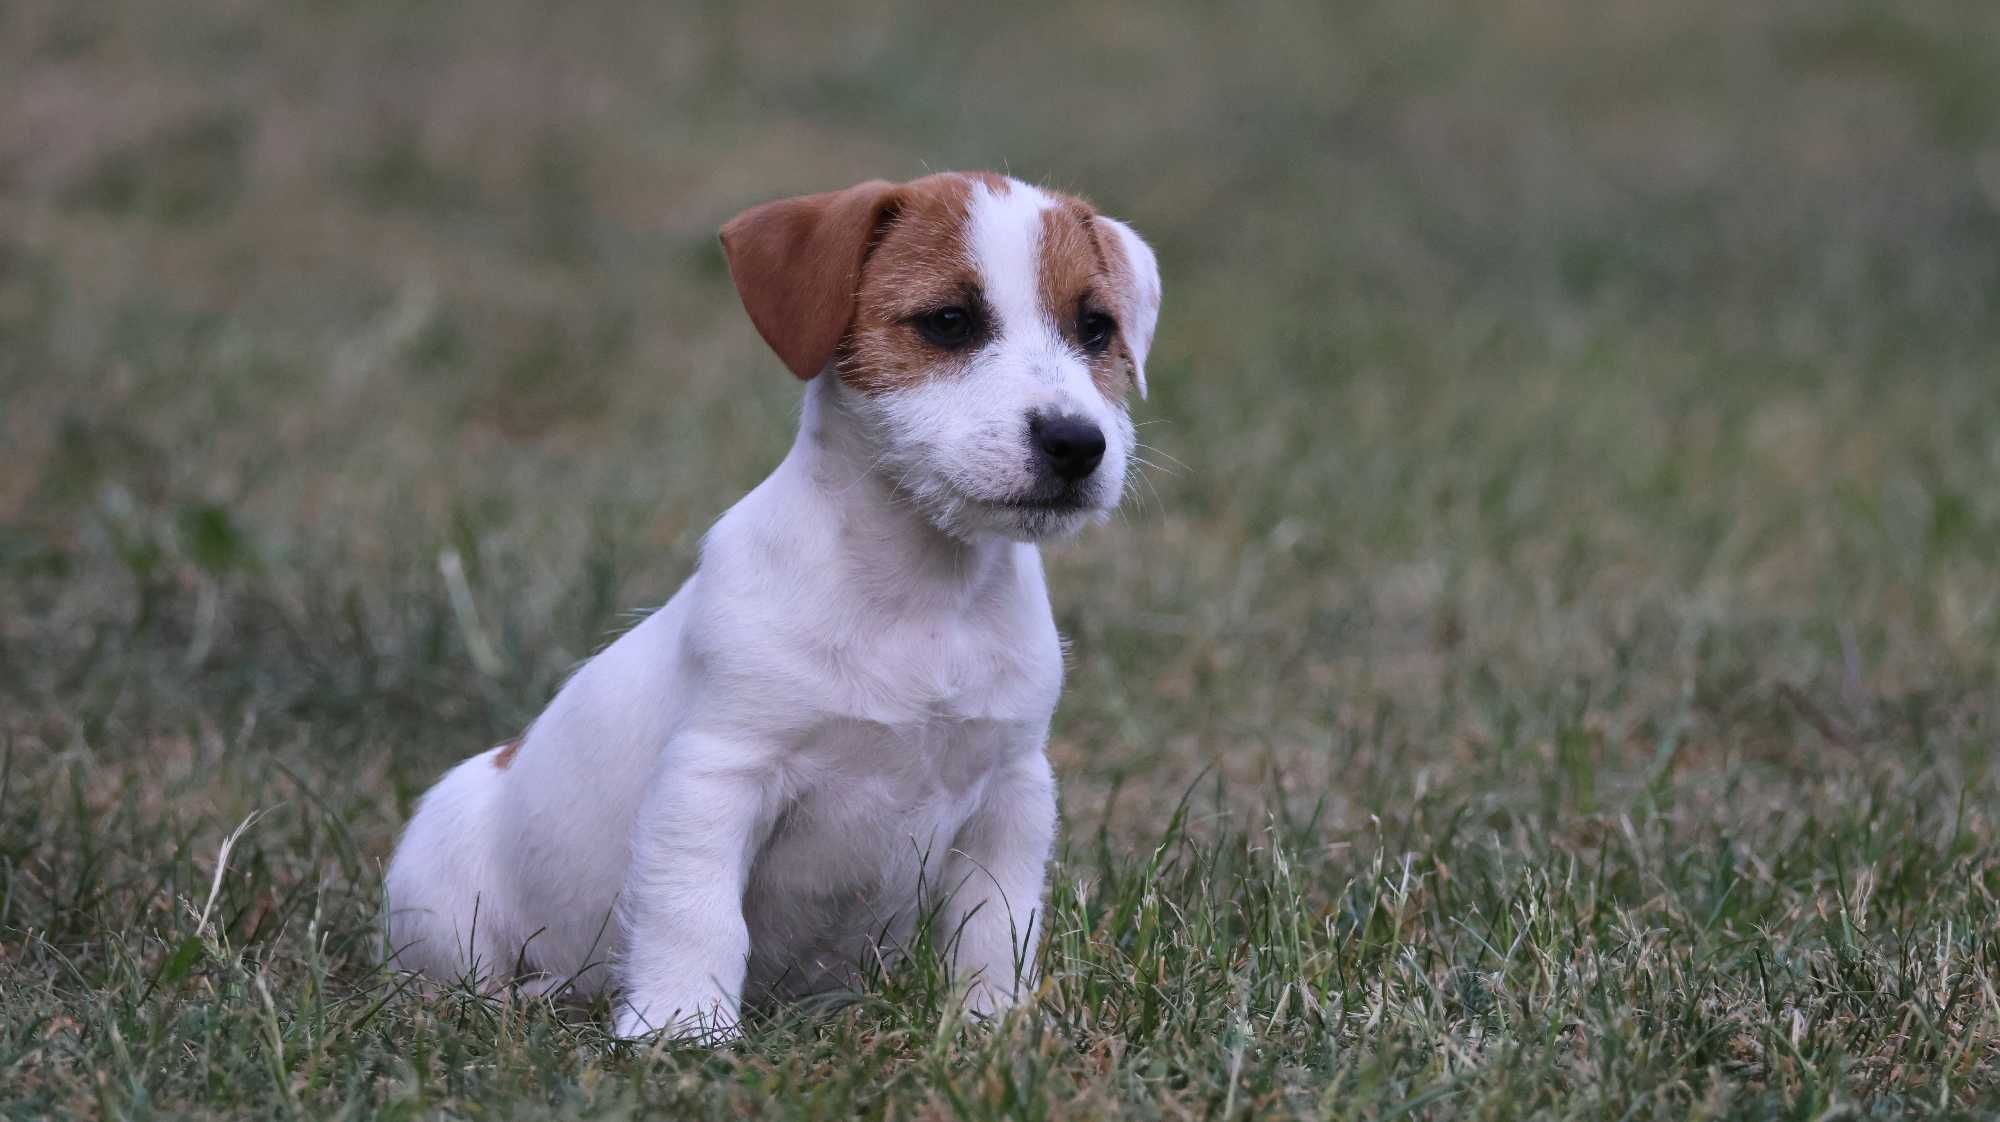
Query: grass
[[1552, 671]]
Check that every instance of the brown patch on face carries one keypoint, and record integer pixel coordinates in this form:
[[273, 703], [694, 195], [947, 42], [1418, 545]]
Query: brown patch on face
[[1121, 286], [1075, 279], [506, 754], [920, 263]]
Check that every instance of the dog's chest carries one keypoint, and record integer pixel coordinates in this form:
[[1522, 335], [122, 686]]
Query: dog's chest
[[865, 790], [854, 853], [931, 681]]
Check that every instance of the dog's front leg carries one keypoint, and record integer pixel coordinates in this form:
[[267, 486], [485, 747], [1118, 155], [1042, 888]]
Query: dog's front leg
[[995, 875], [681, 912]]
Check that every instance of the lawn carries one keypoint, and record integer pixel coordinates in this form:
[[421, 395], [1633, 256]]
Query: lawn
[[1550, 669]]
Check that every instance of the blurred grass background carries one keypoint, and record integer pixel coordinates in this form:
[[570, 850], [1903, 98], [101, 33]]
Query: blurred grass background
[[1580, 432]]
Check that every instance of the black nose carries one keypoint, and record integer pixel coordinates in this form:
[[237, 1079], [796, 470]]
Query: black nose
[[1071, 445]]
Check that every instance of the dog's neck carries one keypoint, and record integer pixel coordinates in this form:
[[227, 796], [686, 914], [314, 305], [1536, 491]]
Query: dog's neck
[[887, 547]]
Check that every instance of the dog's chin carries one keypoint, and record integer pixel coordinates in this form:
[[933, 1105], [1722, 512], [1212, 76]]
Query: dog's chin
[[1040, 522], [1040, 513], [1023, 519]]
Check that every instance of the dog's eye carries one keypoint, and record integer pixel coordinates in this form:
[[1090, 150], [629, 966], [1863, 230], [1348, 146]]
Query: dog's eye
[[949, 326], [1094, 329]]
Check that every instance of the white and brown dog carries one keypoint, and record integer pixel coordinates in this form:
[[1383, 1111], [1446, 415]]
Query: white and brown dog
[[837, 725]]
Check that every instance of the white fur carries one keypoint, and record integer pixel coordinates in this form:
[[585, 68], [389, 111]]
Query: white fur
[[835, 727]]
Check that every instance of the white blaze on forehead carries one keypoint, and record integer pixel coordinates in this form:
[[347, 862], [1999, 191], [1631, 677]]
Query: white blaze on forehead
[[1004, 232]]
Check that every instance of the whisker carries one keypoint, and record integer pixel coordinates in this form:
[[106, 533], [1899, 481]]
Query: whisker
[[1128, 492], [1163, 452], [1141, 473]]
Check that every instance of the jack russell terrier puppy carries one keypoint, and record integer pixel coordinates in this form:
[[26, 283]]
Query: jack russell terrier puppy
[[837, 725]]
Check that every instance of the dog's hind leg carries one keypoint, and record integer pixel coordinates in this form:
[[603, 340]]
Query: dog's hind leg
[[450, 912]]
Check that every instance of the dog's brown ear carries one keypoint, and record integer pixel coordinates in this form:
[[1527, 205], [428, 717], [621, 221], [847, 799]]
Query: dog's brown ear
[[797, 264]]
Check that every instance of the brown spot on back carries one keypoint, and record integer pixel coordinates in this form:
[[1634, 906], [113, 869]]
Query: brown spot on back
[[506, 754]]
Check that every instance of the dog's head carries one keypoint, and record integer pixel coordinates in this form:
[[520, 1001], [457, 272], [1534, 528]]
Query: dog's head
[[984, 332]]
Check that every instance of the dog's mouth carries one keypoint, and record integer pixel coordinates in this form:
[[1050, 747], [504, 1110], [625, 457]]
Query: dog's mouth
[[1059, 499], [1045, 508], [1067, 503]]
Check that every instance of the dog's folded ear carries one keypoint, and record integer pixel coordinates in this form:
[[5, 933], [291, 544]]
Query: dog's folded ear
[[797, 265], [1137, 274]]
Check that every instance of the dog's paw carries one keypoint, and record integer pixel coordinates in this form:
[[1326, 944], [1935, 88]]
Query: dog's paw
[[984, 1003], [710, 1026]]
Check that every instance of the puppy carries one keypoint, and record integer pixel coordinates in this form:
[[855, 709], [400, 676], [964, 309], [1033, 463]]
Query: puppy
[[837, 725]]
